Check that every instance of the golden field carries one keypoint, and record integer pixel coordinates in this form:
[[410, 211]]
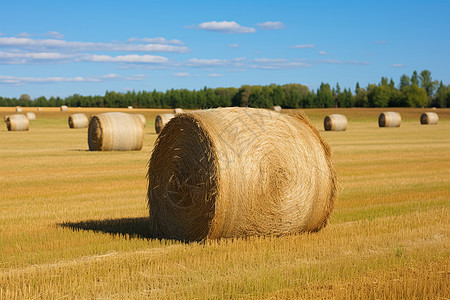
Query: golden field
[[73, 223]]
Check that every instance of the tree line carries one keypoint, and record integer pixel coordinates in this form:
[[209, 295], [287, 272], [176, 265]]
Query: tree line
[[417, 90]]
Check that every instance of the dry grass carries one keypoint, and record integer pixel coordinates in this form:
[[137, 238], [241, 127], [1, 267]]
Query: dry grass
[[73, 222]]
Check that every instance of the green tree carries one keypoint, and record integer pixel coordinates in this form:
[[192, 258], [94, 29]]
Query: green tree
[[441, 96], [428, 84], [324, 96]]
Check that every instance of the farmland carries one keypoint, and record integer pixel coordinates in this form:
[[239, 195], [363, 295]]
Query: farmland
[[73, 223]]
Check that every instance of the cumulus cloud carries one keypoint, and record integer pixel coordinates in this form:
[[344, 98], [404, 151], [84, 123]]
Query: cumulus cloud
[[215, 75], [36, 57], [303, 46], [335, 61], [323, 53], [398, 65], [157, 40], [55, 35], [45, 44], [39, 80], [269, 25], [126, 58], [225, 27], [196, 62]]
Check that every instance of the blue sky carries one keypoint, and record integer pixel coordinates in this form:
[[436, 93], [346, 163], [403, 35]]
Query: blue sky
[[59, 48]]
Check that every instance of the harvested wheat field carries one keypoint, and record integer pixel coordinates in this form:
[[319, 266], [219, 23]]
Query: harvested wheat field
[[74, 223]]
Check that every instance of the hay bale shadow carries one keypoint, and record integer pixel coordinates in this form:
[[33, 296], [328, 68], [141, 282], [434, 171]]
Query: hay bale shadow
[[128, 228]]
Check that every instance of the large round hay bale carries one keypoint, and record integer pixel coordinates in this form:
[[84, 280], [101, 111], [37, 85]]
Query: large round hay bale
[[115, 131], [335, 122], [429, 118], [161, 120], [142, 118], [234, 172], [178, 111], [389, 119], [6, 118], [78, 120], [17, 122], [18, 109], [277, 108], [64, 108], [31, 116]]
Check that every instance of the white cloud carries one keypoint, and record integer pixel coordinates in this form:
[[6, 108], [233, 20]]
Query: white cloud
[[24, 35], [323, 53], [55, 34], [233, 45], [37, 57], [335, 61], [215, 75], [12, 80], [195, 62], [226, 27], [269, 25], [45, 44], [398, 65], [126, 58], [303, 46], [181, 74], [157, 40]]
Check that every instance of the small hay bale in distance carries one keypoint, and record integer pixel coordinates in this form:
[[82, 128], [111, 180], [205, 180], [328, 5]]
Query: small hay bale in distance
[[277, 108], [78, 120], [335, 122], [17, 122], [178, 111], [130, 107], [389, 119], [142, 118], [64, 108], [236, 172], [31, 116], [161, 120], [39, 109], [429, 118], [115, 131], [18, 109]]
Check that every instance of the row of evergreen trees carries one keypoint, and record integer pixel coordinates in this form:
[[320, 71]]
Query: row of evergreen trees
[[419, 90]]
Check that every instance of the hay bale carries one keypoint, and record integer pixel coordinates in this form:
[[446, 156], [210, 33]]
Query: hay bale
[[31, 116], [161, 120], [335, 122], [234, 172], [115, 131], [277, 108], [17, 122], [142, 118], [39, 109], [6, 118], [78, 120], [389, 119], [429, 118], [178, 111], [18, 109], [64, 108], [130, 107]]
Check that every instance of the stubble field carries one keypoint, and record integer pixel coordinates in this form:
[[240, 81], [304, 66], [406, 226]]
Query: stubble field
[[73, 223]]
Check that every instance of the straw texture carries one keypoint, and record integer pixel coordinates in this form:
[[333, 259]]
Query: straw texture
[[64, 108], [276, 108], [178, 111], [335, 122], [235, 172], [115, 131], [389, 119], [142, 118], [161, 120], [31, 116], [78, 120], [17, 122], [429, 118]]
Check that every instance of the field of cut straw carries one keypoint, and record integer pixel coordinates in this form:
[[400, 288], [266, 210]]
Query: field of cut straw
[[74, 223]]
